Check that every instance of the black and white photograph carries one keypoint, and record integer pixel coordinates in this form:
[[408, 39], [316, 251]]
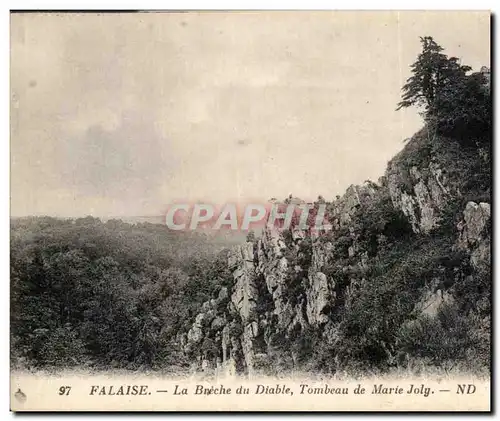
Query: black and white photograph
[[250, 211]]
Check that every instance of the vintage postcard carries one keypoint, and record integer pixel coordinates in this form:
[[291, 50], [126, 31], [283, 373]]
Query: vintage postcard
[[250, 211]]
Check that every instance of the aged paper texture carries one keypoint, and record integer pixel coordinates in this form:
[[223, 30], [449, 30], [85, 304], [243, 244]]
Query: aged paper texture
[[250, 211]]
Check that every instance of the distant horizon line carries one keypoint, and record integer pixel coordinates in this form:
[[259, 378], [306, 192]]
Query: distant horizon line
[[85, 216]]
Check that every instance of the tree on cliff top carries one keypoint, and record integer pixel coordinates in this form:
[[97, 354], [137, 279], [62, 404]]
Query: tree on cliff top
[[458, 105], [432, 71]]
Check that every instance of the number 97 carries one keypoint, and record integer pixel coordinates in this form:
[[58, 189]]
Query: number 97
[[64, 390]]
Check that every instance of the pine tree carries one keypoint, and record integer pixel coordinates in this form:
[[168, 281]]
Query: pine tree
[[432, 72]]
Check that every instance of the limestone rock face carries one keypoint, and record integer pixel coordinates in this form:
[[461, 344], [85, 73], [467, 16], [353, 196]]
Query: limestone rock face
[[318, 297], [262, 269], [245, 296], [320, 289], [287, 283], [274, 267], [474, 234], [195, 334], [472, 228], [342, 210], [247, 347], [420, 196], [244, 291]]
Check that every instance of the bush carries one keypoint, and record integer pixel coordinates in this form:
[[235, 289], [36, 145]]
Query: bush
[[449, 337], [60, 347]]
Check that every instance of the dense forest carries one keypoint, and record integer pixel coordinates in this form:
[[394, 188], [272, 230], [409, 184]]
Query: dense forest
[[112, 294], [87, 293]]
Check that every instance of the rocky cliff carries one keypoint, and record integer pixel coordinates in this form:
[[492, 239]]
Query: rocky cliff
[[394, 248]]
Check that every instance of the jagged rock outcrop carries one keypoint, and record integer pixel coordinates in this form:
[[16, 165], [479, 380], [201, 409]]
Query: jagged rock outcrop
[[474, 234], [195, 334], [342, 210], [318, 297], [321, 290], [419, 193], [273, 266], [474, 240], [262, 268], [244, 296], [288, 282]]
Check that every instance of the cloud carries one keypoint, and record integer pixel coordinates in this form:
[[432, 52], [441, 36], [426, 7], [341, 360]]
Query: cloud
[[126, 161], [122, 113]]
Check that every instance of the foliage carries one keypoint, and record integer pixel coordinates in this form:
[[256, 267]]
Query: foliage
[[449, 337], [462, 110], [455, 103], [432, 71], [111, 294], [106, 294]]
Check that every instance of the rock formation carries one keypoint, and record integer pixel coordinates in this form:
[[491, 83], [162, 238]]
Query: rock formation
[[283, 282]]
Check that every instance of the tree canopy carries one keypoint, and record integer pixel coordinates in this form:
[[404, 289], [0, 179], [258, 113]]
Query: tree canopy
[[457, 103]]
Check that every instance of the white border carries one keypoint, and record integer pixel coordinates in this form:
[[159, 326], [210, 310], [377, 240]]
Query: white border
[[255, 4]]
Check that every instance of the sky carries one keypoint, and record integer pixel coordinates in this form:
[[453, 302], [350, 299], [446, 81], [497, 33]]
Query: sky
[[123, 114]]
